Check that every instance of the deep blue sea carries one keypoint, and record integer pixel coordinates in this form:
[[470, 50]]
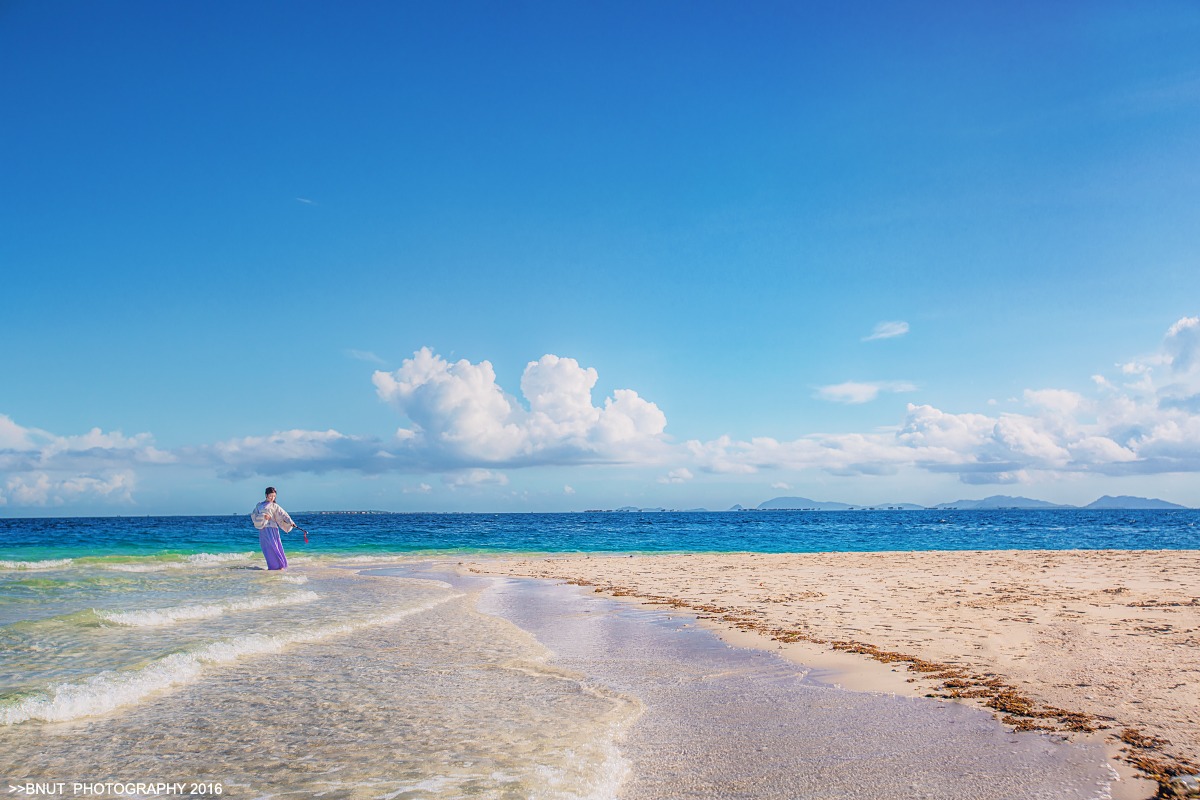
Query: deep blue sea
[[729, 531]]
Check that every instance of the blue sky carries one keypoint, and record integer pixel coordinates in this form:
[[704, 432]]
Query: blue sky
[[277, 242]]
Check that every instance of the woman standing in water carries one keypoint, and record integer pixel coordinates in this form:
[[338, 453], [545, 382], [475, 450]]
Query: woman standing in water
[[268, 516]]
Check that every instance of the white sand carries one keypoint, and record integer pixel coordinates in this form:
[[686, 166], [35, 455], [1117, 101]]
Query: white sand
[[1103, 640]]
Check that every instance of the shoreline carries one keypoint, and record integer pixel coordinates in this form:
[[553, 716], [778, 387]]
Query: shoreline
[[1092, 645]]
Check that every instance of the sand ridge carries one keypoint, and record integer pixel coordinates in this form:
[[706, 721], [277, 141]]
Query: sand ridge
[[1071, 641]]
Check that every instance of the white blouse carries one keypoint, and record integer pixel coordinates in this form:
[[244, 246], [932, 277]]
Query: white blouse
[[271, 515]]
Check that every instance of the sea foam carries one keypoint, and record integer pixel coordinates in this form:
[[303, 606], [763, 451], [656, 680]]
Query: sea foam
[[113, 689], [169, 616], [194, 560], [50, 563], [217, 558]]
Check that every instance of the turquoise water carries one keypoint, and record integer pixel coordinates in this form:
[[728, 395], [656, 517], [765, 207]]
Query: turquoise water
[[336, 679], [758, 531]]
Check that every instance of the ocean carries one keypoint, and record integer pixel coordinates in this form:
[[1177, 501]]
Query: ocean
[[139, 653]]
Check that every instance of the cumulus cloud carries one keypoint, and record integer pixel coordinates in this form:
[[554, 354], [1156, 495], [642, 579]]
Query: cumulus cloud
[[854, 392], [39, 468], [1057, 401], [1182, 345], [682, 475], [41, 489], [568, 489], [459, 416], [1149, 425], [14, 437], [887, 330], [27, 449], [1143, 417]]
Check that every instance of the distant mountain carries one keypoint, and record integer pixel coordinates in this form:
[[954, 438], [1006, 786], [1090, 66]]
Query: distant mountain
[[995, 502], [808, 504], [1126, 501], [999, 501], [801, 503]]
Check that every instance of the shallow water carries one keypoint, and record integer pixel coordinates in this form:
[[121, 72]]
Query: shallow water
[[381, 687], [730, 722], [422, 684]]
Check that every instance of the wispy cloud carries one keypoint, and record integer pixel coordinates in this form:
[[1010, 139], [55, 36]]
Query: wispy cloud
[[855, 392], [887, 330], [475, 477], [306, 201], [364, 355]]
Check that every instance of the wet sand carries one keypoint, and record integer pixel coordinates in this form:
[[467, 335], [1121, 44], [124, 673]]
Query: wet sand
[[1100, 645]]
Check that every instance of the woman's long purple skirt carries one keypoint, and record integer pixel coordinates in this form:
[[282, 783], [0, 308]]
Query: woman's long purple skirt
[[272, 548]]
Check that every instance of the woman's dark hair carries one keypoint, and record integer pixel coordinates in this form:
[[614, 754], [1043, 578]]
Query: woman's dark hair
[[270, 489]]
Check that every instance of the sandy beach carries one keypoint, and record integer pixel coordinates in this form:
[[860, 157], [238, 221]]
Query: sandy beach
[[1093, 644]]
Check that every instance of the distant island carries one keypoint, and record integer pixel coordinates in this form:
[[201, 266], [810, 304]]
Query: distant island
[[805, 504], [994, 503], [998, 502]]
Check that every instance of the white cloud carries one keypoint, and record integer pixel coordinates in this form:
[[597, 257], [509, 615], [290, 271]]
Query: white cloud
[[420, 488], [461, 417], [854, 392], [1151, 426], [722, 455], [39, 468], [887, 330], [568, 489], [1183, 344], [14, 437], [285, 452], [475, 477], [784, 487], [23, 449], [34, 489], [1142, 418], [682, 475], [1059, 401]]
